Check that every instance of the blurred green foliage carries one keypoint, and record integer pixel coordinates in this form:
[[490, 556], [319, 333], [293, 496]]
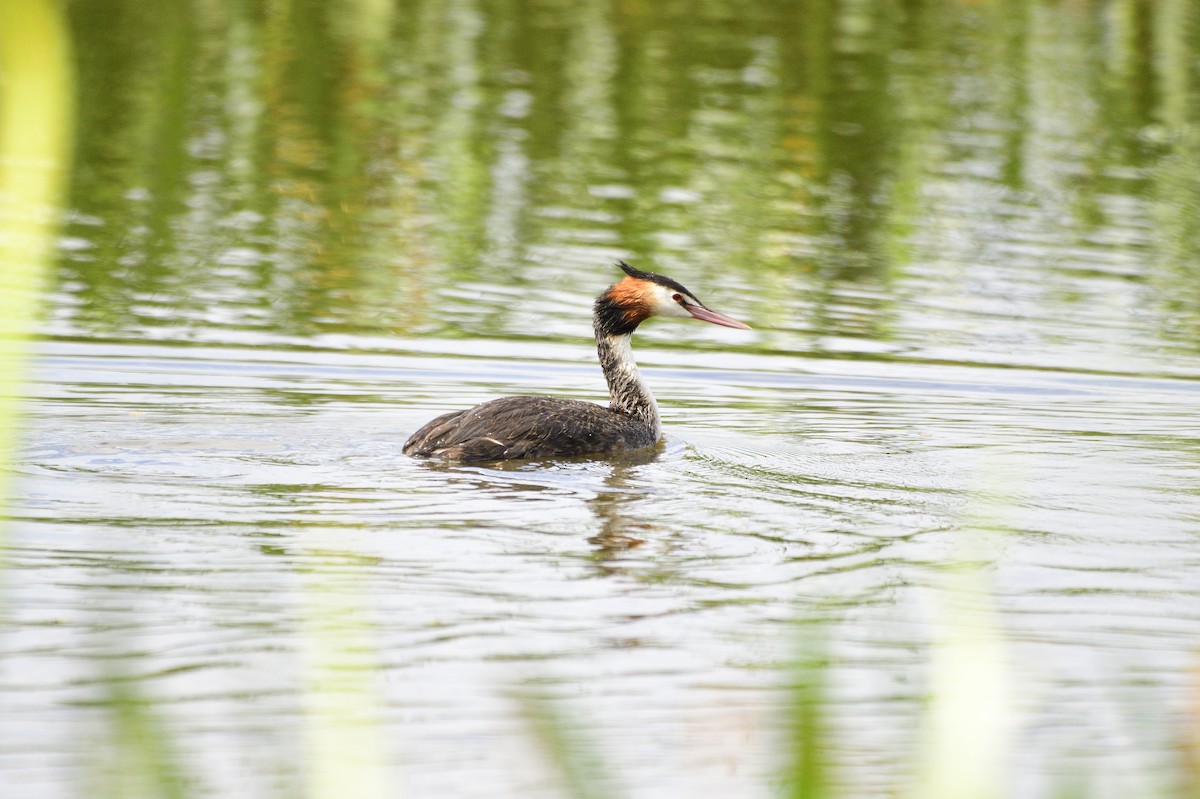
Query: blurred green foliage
[[320, 166]]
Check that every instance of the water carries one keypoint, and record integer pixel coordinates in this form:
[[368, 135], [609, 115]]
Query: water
[[965, 236]]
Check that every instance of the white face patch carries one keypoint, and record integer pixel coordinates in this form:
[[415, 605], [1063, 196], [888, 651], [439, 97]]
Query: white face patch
[[666, 305]]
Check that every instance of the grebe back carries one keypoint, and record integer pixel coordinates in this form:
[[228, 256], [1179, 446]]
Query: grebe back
[[513, 428]]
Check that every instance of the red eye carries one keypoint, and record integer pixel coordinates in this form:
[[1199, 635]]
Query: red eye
[[677, 297]]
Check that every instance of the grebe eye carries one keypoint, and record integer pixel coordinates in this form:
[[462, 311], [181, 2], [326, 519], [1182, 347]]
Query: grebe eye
[[677, 297]]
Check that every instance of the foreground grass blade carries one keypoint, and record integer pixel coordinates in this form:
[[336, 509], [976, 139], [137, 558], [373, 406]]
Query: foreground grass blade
[[969, 719], [36, 107], [345, 737], [1191, 738], [579, 768], [140, 761], [806, 772]]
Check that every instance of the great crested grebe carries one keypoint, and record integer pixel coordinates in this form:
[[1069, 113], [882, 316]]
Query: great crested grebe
[[511, 428]]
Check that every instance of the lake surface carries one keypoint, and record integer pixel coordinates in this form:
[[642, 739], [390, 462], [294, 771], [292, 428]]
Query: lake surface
[[967, 237]]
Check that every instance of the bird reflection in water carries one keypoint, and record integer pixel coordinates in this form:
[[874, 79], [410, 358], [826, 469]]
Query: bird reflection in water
[[623, 527], [617, 503]]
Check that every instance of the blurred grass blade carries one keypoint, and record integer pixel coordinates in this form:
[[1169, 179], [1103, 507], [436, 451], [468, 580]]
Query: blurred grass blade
[[345, 740], [806, 773], [969, 716], [580, 770], [140, 761], [1191, 738], [36, 102]]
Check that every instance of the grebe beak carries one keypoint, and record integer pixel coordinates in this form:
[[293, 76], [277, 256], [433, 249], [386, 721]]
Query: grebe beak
[[702, 313]]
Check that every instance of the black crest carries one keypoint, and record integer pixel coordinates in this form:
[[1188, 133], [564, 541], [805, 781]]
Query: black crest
[[661, 280]]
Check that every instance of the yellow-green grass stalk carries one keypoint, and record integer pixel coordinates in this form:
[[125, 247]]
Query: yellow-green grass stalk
[[580, 771], [139, 758], [36, 128], [345, 742], [969, 719], [1190, 743], [807, 761]]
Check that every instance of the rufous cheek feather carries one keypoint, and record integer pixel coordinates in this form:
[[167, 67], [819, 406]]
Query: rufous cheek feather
[[634, 298]]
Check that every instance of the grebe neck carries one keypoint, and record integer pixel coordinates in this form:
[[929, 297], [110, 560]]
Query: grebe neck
[[625, 387]]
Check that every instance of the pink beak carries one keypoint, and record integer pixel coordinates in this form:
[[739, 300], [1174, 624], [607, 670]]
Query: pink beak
[[700, 312]]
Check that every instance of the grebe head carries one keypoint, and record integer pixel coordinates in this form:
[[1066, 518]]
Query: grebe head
[[641, 295]]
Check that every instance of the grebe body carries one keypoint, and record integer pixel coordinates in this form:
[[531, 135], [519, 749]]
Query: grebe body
[[513, 428]]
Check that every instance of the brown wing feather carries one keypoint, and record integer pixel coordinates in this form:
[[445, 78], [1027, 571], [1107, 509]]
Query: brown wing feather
[[527, 427]]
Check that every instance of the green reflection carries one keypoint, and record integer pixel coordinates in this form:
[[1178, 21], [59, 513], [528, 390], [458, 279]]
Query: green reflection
[[447, 167]]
